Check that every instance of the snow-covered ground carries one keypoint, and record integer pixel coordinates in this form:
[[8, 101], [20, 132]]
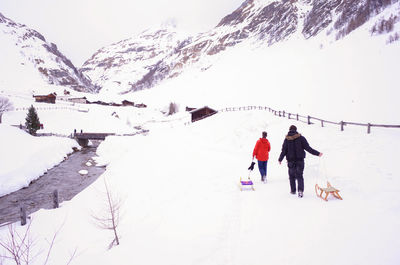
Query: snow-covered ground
[[179, 183], [182, 203], [24, 158], [187, 207]]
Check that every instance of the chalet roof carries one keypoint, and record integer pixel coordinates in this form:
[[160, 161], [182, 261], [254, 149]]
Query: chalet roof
[[201, 108], [49, 95], [77, 98]]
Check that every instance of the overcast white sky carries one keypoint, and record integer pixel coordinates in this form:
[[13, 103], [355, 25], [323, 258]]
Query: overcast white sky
[[80, 27]]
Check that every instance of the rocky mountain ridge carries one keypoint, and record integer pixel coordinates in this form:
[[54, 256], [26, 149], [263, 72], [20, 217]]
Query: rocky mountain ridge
[[126, 64], [51, 64], [157, 55], [264, 22]]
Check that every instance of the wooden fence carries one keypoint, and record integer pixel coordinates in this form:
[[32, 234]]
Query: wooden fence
[[291, 116], [50, 108], [308, 119]]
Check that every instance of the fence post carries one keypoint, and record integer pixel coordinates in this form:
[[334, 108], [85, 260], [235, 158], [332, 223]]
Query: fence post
[[279, 113], [342, 125], [322, 123], [55, 199], [283, 113], [369, 128], [297, 116], [289, 116], [23, 215], [308, 120]]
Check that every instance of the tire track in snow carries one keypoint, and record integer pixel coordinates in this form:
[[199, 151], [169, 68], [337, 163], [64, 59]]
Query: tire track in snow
[[231, 229]]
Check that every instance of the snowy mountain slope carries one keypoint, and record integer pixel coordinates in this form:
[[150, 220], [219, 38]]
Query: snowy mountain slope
[[188, 208], [24, 49], [131, 61], [260, 22], [338, 82]]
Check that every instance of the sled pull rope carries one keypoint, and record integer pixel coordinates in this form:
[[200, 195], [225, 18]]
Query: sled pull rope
[[322, 171]]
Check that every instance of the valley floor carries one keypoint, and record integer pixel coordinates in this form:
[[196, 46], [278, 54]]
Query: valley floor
[[182, 203]]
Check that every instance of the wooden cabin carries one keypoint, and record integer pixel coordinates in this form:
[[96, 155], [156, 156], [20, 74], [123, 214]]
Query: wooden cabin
[[127, 103], [201, 113], [50, 98], [78, 100], [141, 105], [189, 109]]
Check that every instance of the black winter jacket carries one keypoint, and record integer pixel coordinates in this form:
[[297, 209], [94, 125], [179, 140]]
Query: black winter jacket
[[293, 147]]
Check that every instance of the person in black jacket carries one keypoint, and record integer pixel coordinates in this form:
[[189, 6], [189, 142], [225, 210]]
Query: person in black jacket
[[293, 148]]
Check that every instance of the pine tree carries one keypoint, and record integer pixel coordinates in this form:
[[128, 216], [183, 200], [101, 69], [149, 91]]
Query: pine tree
[[32, 122]]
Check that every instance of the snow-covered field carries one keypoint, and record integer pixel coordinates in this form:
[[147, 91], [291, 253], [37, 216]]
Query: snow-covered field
[[24, 158], [179, 183], [186, 204], [182, 203]]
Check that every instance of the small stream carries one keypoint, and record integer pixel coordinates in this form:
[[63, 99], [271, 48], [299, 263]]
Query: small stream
[[63, 177]]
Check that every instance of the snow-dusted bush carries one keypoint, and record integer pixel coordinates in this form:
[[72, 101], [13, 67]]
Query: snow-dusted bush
[[5, 105], [173, 108]]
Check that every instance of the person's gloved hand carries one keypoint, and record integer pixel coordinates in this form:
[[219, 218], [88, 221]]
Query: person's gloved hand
[[251, 167]]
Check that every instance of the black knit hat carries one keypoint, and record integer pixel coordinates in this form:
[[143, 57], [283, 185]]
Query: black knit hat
[[293, 128], [264, 134]]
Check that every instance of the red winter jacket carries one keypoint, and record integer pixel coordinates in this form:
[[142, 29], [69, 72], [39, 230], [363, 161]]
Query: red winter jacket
[[262, 149]]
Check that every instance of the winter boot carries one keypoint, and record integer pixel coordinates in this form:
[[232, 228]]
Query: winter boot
[[300, 194]]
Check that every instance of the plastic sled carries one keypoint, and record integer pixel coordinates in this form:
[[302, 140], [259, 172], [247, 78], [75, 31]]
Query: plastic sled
[[246, 184], [323, 193]]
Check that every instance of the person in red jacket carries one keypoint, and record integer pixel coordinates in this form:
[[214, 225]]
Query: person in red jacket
[[261, 152]]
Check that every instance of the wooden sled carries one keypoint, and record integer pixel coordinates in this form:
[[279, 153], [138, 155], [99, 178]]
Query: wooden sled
[[328, 190], [246, 183]]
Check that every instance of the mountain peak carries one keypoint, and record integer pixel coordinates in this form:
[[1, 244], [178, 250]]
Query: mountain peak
[[49, 62], [134, 58], [154, 55]]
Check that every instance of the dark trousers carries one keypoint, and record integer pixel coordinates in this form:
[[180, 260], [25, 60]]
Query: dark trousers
[[296, 169], [262, 166]]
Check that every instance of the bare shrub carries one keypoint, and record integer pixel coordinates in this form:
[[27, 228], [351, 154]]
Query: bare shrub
[[5, 105], [173, 108], [19, 248], [109, 216]]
